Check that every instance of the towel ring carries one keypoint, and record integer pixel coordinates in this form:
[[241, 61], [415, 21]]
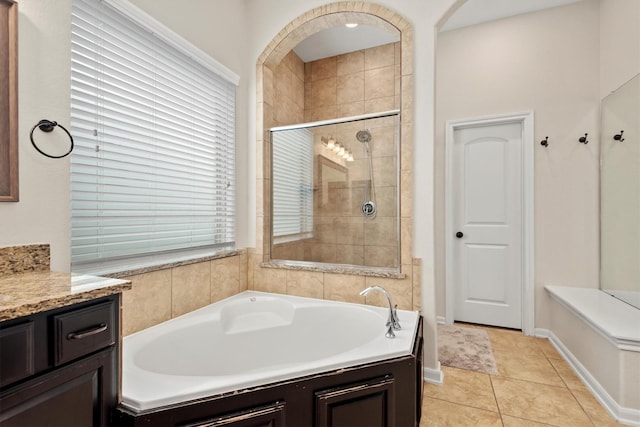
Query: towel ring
[[48, 126]]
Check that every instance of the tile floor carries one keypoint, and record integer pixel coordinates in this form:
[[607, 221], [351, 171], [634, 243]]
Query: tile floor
[[534, 387]]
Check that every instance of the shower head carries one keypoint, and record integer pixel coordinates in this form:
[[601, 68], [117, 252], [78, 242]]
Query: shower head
[[363, 136]]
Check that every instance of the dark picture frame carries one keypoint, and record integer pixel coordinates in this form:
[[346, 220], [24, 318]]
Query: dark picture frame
[[8, 101]]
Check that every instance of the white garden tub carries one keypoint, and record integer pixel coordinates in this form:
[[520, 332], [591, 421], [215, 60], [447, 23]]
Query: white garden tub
[[253, 339]]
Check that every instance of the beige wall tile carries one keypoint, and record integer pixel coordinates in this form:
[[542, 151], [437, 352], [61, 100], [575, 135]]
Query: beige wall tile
[[379, 56], [305, 284], [400, 290], [379, 82], [350, 88], [148, 302], [350, 63], [342, 287], [323, 69], [350, 254], [191, 288], [272, 280], [323, 92], [225, 278]]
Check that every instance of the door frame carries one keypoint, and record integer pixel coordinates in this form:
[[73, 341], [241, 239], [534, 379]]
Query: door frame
[[525, 119]]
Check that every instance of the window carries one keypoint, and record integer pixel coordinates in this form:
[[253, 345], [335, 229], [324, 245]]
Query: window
[[292, 184], [153, 169]]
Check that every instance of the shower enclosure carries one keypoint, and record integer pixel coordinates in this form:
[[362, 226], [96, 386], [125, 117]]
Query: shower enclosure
[[335, 192]]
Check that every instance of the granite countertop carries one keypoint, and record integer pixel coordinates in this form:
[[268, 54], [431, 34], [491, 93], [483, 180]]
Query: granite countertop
[[33, 292]]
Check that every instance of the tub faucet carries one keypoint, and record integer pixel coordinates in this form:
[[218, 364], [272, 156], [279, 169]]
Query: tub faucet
[[392, 320]]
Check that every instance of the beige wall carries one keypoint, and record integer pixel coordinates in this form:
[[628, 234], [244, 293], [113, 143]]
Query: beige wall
[[619, 43], [546, 62]]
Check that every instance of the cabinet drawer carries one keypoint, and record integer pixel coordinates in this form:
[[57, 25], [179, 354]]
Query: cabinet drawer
[[83, 331], [16, 353]]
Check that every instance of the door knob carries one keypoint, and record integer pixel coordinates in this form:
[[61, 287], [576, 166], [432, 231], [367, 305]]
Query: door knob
[[459, 234]]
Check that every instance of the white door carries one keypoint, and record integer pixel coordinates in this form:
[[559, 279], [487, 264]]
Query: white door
[[487, 206]]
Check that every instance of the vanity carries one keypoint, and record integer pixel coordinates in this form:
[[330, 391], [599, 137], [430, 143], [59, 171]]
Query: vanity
[[59, 348]]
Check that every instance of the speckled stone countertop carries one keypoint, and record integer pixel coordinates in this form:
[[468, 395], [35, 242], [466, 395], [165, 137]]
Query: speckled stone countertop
[[33, 292]]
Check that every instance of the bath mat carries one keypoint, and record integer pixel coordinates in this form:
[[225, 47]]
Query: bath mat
[[466, 348]]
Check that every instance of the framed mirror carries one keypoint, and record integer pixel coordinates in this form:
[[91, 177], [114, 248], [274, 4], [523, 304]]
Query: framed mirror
[[8, 101]]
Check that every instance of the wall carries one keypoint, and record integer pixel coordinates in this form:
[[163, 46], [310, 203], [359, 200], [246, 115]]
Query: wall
[[547, 62], [619, 43], [43, 213]]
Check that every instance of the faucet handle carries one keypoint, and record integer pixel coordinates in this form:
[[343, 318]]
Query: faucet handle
[[394, 318], [390, 333]]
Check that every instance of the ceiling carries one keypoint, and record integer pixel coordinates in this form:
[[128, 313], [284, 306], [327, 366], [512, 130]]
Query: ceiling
[[339, 40]]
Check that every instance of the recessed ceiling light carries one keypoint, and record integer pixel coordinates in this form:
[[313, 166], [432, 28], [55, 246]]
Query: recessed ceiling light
[[351, 25]]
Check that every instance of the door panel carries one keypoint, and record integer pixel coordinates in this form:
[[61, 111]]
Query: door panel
[[487, 210]]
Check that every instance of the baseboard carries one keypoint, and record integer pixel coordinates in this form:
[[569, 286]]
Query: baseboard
[[628, 416], [441, 320], [433, 376]]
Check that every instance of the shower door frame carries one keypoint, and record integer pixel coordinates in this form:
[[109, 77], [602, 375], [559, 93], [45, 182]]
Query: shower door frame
[[389, 272], [526, 120]]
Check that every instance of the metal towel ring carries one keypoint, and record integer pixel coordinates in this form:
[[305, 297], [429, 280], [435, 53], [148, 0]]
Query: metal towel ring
[[48, 126]]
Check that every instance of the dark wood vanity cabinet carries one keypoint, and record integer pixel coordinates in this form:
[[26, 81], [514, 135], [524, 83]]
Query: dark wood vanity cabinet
[[59, 367]]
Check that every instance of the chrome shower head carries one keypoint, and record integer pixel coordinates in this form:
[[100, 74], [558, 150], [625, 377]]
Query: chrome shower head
[[363, 136]]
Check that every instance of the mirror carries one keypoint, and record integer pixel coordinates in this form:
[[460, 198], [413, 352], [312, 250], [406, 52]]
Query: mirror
[[335, 192], [620, 193], [8, 101]]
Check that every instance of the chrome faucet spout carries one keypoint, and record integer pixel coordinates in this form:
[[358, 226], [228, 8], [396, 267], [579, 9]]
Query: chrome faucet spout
[[392, 320]]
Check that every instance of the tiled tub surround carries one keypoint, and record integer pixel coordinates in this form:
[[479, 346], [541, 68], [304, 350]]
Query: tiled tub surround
[[600, 337], [275, 67], [165, 293]]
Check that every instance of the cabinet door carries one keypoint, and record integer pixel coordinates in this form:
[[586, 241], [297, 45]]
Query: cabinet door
[[263, 416], [80, 394], [369, 403]]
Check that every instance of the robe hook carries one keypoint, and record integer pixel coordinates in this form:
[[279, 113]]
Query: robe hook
[[545, 142], [618, 137], [583, 139]]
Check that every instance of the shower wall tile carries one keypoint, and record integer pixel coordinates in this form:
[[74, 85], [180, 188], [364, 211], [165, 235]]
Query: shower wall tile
[[148, 302], [349, 230], [350, 88], [350, 254], [379, 104], [350, 63], [350, 109], [322, 69], [190, 288], [379, 56], [380, 255], [379, 82], [323, 92]]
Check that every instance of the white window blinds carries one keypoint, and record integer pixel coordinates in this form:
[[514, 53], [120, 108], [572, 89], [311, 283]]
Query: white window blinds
[[153, 169], [292, 184]]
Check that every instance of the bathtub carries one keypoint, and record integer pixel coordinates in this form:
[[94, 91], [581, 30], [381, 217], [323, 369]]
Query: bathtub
[[253, 339]]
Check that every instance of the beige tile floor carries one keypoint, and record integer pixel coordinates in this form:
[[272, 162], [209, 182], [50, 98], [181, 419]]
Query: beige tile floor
[[534, 387]]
